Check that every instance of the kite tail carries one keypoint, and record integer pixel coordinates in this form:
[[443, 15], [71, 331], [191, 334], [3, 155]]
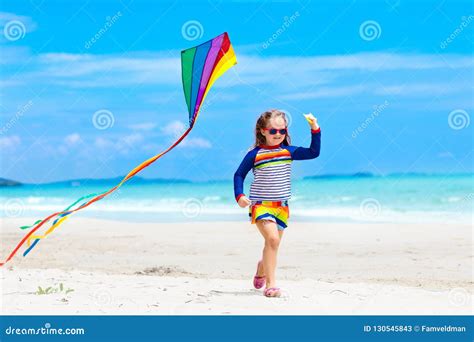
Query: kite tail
[[61, 216]]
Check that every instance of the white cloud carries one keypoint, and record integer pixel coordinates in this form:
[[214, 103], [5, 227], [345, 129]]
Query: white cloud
[[401, 89], [123, 145], [86, 70], [72, 139], [10, 141], [369, 61], [174, 128], [195, 143], [145, 68], [103, 143], [144, 126], [131, 139], [416, 89], [325, 92], [277, 78]]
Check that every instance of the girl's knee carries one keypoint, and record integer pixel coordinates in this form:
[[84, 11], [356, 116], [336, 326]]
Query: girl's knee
[[273, 241]]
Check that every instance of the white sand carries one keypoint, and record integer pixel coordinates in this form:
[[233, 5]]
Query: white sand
[[207, 268]]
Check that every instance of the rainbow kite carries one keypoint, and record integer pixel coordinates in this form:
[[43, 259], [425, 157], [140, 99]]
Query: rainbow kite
[[201, 66]]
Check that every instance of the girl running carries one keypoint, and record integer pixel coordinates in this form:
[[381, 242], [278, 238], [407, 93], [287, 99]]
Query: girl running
[[270, 160]]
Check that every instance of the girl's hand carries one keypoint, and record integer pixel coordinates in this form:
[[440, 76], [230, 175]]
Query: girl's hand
[[313, 122], [244, 202]]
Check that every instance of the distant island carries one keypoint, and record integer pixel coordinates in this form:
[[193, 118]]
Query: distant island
[[98, 181], [8, 182], [116, 180], [139, 180], [338, 176], [390, 175]]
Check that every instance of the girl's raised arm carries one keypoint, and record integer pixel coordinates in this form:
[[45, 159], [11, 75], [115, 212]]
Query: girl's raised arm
[[311, 152]]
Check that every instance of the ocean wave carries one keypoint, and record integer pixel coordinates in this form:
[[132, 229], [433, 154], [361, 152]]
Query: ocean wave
[[209, 208]]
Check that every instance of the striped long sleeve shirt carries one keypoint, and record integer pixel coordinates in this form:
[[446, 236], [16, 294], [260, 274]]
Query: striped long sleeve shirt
[[271, 166]]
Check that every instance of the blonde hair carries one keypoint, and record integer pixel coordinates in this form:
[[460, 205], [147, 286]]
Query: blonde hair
[[262, 122]]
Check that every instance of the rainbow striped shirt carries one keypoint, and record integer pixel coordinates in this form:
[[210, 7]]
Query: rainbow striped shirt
[[271, 166]]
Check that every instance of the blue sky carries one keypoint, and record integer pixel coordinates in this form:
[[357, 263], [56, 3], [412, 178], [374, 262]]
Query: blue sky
[[391, 83]]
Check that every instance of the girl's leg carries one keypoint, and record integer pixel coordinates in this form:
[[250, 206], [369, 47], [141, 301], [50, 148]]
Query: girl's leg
[[272, 237], [261, 268]]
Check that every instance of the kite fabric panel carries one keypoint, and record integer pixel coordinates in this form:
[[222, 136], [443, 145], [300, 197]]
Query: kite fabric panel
[[201, 66]]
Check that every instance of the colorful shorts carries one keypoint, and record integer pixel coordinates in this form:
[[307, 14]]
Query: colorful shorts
[[278, 212]]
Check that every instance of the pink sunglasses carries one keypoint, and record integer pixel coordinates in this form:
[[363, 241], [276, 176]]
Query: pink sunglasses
[[274, 131]]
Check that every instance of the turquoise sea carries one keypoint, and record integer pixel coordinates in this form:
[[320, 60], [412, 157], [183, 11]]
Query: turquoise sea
[[362, 198]]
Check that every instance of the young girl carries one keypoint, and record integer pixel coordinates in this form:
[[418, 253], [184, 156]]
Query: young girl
[[270, 160]]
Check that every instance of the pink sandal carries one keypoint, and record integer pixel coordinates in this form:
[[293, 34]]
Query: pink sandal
[[258, 281], [272, 292]]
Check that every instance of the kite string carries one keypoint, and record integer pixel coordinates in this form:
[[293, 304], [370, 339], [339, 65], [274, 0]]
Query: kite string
[[63, 214], [38, 224]]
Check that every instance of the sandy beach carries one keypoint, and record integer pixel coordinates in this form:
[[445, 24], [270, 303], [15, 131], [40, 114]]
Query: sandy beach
[[109, 267]]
